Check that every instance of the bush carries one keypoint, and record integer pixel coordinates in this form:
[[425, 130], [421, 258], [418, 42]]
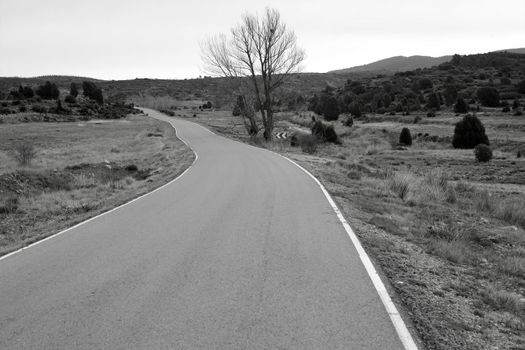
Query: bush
[[489, 97], [506, 109], [433, 101], [92, 92], [324, 132], [48, 91], [39, 109], [70, 99], [4, 110], [405, 137], [521, 87], [425, 84], [308, 144], [355, 110], [22, 109], [73, 90], [24, 153], [460, 106], [329, 107], [469, 132], [417, 118], [26, 91], [349, 121], [483, 153]]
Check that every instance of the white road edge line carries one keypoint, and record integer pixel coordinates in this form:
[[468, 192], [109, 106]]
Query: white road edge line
[[113, 209], [399, 325]]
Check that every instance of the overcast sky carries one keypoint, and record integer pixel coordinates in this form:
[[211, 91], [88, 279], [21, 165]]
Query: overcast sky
[[118, 39]]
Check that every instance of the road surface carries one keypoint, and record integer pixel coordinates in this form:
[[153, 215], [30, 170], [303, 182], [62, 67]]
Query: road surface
[[242, 252]]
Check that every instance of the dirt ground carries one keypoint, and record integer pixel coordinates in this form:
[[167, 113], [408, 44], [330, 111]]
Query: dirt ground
[[78, 170], [446, 232]]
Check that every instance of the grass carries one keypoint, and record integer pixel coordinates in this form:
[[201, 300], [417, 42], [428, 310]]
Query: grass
[[429, 216], [80, 169]]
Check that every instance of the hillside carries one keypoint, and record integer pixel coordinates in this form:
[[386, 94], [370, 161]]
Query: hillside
[[396, 64]]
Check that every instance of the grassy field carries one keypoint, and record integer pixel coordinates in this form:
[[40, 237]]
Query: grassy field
[[446, 232], [79, 169]]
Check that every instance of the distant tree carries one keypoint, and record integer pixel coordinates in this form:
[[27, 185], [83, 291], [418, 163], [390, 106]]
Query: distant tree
[[425, 84], [355, 110], [330, 107], [433, 101], [405, 137], [92, 92], [451, 94], [460, 106], [48, 91], [521, 87], [73, 89], [262, 49], [70, 99], [488, 96], [456, 60], [469, 132]]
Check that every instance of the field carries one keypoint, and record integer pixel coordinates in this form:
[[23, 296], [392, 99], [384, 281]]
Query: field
[[75, 170], [446, 232]]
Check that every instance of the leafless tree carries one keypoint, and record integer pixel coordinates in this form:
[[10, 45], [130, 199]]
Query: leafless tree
[[261, 49]]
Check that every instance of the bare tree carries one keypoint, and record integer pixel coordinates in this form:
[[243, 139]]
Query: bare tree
[[260, 49]]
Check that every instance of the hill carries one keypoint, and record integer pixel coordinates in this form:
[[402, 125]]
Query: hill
[[396, 64]]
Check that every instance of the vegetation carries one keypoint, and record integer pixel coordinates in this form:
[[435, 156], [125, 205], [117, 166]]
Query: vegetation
[[483, 153], [461, 106], [93, 92], [469, 132], [488, 96], [405, 138], [48, 91], [261, 48]]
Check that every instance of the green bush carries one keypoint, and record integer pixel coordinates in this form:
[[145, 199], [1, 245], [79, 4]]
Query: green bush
[[488, 97], [433, 101], [70, 99], [405, 137], [460, 106], [483, 153], [48, 91], [92, 92], [521, 87], [73, 90], [39, 109], [469, 132], [324, 132]]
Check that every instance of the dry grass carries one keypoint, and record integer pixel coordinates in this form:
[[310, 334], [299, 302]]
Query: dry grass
[[81, 171], [502, 300]]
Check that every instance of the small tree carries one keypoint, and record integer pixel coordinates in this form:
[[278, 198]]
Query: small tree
[[488, 96], [521, 87], [433, 101], [48, 91], [330, 107], [483, 153], [92, 92], [73, 90], [460, 106], [405, 138], [469, 132]]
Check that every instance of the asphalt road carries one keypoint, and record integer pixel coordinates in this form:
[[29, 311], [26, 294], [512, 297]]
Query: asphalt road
[[242, 252]]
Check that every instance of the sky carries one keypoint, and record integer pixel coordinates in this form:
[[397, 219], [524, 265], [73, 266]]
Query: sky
[[127, 39]]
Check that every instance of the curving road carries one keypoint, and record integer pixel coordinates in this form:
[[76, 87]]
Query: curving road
[[241, 252]]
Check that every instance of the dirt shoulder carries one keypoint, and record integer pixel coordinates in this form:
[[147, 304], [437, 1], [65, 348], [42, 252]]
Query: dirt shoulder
[[447, 233], [78, 170]]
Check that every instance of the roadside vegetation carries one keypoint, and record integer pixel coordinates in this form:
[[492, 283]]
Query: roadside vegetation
[[56, 174], [435, 191]]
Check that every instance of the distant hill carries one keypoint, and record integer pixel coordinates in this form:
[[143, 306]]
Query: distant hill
[[403, 63], [396, 64]]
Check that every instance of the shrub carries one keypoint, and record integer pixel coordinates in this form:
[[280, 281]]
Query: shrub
[[24, 153], [329, 107], [22, 109], [431, 114], [460, 106], [505, 81], [417, 119], [308, 143], [399, 184], [405, 137], [433, 101], [483, 153], [70, 99], [48, 91], [521, 87], [425, 84], [73, 90], [4, 110], [469, 132], [355, 110], [349, 121], [39, 109], [488, 96], [505, 109], [27, 91], [92, 92], [324, 132], [9, 205]]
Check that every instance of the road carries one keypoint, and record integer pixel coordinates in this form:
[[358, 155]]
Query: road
[[241, 252]]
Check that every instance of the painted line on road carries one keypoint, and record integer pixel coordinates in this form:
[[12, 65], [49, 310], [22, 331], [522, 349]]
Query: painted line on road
[[399, 325], [110, 210]]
